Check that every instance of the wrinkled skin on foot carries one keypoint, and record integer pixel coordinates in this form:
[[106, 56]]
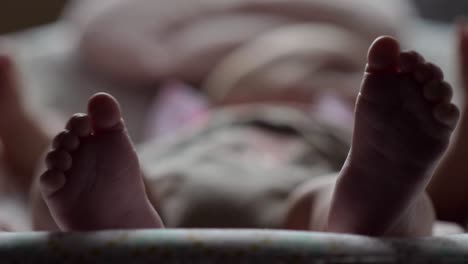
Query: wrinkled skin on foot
[[403, 122], [93, 179]]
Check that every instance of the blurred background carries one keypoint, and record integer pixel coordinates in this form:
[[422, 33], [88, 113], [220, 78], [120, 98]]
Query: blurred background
[[22, 14], [45, 37], [18, 15]]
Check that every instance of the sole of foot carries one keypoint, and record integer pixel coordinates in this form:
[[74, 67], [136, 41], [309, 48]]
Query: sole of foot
[[403, 122], [93, 180]]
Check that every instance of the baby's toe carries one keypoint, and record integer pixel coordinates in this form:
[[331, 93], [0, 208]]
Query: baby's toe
[[447, 114], [425, 72], [66, 140], [383, 55], [79, 125], [409, 60], [438, 91], [435, 72], [104, 112], [51, 181], [59, 160]]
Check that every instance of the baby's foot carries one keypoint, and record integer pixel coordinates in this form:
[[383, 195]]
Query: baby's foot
[[403, 122], [93, 179]]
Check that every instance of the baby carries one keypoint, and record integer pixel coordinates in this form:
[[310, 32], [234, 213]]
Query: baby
[[209, 179], [403, 122]]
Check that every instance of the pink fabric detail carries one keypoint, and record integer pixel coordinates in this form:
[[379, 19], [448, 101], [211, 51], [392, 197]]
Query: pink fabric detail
[[334, 110], [176, 106]]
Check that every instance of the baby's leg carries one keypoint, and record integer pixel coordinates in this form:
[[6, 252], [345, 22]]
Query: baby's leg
[[309, 207], [93, 179], [403, 122], [22, 136], [448, 187]]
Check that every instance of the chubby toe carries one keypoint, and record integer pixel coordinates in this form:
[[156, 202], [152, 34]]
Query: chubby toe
[[383, 55], [59, 160], [104, 111], [447, 114], [66, 140], [51, 181], [79, 125]]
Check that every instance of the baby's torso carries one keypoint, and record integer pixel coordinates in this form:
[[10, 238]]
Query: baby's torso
[[239, 170]]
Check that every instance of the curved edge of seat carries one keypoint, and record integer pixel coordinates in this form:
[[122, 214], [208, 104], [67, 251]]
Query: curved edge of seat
[[223, 246]]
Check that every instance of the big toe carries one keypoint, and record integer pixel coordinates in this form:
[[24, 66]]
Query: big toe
[[104, 111], [383, 55]]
